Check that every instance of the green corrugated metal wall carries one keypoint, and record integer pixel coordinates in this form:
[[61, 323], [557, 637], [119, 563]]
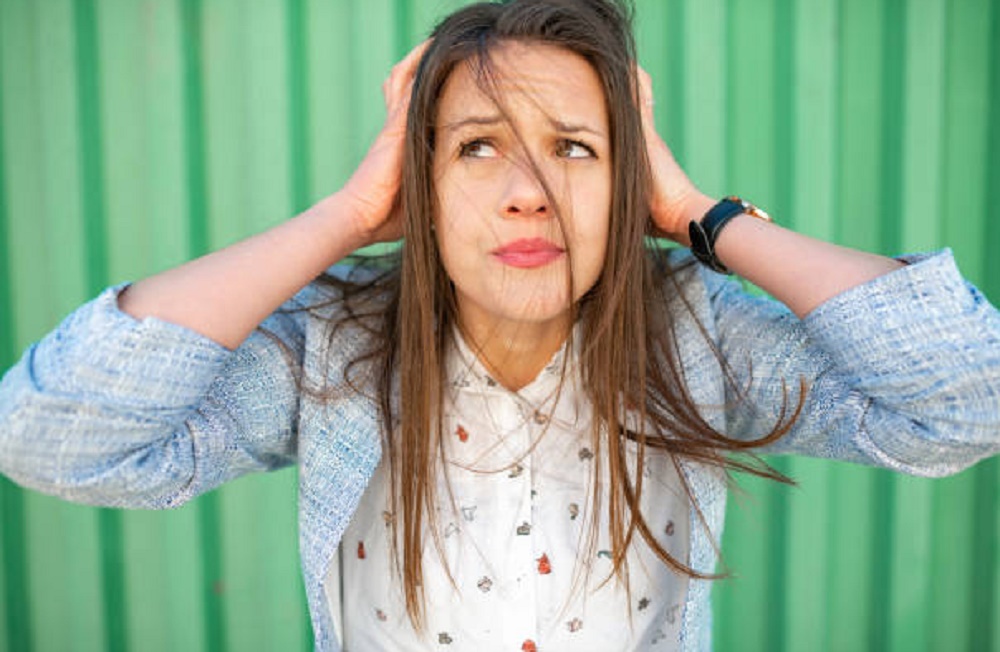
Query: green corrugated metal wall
[[135, 134]]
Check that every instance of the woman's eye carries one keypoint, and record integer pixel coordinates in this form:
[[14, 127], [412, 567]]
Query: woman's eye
[[477, 149], [574, 149]]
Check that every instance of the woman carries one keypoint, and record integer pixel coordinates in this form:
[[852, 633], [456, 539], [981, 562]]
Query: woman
[[520, 431]]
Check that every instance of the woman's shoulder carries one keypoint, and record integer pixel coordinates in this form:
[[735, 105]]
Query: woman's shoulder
[[335, 320], [343, 292], [688, 287], [693, 276]]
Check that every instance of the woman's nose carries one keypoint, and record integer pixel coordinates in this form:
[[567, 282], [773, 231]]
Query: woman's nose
[[524, 195]]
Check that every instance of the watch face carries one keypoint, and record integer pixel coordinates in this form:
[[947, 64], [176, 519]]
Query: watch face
[[749, 209]]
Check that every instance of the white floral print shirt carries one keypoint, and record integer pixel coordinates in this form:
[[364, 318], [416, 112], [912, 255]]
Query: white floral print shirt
[[514, 516]]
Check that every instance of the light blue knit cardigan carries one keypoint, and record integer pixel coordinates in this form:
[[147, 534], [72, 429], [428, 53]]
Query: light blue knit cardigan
[[904, 373]]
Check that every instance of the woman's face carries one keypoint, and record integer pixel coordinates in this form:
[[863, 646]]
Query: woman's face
[[501, 239]]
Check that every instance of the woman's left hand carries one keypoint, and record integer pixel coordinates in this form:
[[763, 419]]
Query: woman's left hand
[[674, 201], [799, 271]]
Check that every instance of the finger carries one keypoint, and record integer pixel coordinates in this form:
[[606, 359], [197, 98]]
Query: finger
[[402, 74], [646, 98], [411, 59], [645, 81]]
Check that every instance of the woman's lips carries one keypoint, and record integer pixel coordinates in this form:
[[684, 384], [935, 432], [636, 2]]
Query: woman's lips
[[528, 252]]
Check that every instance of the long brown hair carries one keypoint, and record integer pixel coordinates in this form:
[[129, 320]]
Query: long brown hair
[[630, 358]]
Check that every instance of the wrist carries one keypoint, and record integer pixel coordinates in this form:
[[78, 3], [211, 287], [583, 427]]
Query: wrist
[[341, 222], [692, 210], [679, 215]]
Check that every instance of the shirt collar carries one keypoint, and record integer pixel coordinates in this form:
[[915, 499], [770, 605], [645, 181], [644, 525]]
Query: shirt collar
[[467, 373]]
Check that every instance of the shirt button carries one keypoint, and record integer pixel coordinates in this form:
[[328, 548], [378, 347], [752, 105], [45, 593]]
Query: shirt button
[[541, 419]]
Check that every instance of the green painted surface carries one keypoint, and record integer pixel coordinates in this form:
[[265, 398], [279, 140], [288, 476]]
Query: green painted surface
[[136, 134]]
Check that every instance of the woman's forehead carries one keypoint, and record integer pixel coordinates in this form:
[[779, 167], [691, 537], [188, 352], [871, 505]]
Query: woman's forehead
[[527, 78]]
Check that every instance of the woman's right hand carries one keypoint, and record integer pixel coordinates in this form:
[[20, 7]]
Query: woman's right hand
[[373, 189], [226, 294]]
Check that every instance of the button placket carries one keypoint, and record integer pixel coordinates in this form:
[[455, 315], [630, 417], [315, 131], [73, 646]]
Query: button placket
[[523, 615], [538, 423]]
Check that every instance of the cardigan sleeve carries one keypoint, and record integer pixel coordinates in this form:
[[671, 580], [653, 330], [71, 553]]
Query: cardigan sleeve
[[902, 372], [113, 411]]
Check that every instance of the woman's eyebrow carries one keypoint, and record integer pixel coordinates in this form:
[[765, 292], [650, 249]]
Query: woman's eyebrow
[[568, 128], [477, 121]]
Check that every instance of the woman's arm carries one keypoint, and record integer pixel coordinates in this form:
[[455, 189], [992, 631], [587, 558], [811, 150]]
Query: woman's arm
[[901, 363], [135, 401], [799, 271], [107, 410], [902, 372], [226, 294]]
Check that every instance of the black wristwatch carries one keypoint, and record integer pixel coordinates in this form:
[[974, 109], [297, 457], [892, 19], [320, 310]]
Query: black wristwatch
[[704, 233]]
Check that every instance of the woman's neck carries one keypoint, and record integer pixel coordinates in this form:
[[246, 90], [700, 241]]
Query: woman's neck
[[515, 353]]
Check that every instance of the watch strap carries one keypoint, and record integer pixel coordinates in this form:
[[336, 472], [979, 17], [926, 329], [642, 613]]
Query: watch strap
[[704, 233]]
